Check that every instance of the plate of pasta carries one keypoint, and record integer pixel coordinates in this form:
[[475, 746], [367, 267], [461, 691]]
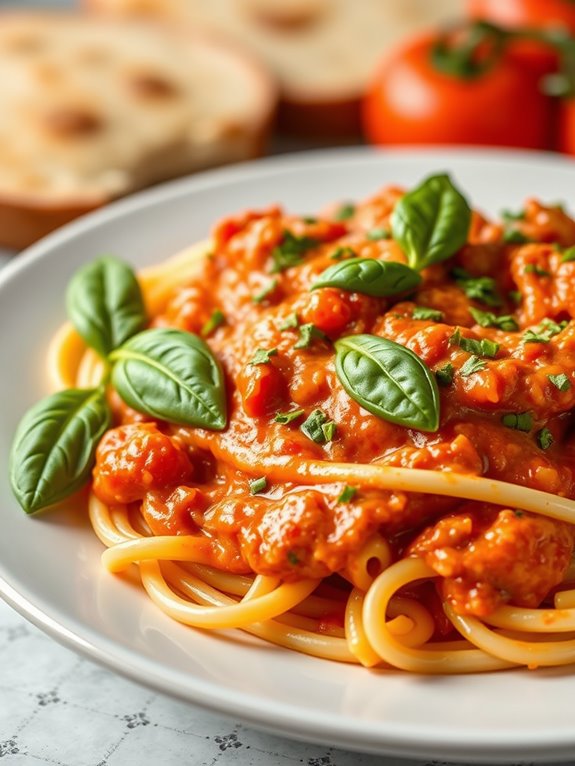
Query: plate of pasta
[[294, 441]]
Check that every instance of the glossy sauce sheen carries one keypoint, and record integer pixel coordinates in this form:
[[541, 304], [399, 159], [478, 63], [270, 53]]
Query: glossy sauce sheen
[[487, 555]]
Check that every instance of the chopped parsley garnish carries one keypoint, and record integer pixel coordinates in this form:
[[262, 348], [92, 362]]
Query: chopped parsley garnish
[[292, 558], [287, 417], [544, 331], [515, 296], [544, 438], [568, 255], [313, 427], [378, 233], [473, 364], [515, 237], [483, 347], [290, 251], [309, 219], [422, 312], [445, 374], [329, 430], [482, 289], [262, 355], [520, 421], [533, 268], [291, 322], [345, 212], [342, 252], [217, 318], [347, 494], [258, 485], [489, 319], [560, 381], [307, 334], [265, 292], [509, 215]]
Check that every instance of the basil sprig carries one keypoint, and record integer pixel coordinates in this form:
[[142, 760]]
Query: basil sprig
[[369, 276], [167, 374], [105, 304], [171, 375], [431, 222], [55, 444], [388, 380]]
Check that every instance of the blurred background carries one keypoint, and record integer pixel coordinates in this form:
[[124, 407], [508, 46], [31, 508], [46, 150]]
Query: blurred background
[[99, 98]]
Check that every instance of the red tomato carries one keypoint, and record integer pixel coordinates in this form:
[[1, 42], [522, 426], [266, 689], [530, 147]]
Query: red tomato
[[566, 126], [412, 102], [541, 14], [536, 14]]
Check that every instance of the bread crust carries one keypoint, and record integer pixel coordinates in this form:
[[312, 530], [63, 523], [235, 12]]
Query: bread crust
[[28, 214]]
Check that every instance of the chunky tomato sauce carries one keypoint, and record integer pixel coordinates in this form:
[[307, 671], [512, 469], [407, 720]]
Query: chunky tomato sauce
[[507, 420]]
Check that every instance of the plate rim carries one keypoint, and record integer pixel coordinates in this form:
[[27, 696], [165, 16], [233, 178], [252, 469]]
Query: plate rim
[[276, 717]]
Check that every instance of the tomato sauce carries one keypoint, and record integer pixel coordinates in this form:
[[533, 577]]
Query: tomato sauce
[[487, 555]]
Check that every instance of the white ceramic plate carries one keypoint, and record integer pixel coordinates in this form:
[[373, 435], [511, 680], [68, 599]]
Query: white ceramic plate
[[49, 566]]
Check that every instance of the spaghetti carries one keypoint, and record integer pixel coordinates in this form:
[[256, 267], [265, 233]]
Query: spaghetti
[[343, 534]]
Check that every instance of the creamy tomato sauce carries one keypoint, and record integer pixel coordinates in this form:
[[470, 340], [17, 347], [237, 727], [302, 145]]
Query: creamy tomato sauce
[[507, 419]]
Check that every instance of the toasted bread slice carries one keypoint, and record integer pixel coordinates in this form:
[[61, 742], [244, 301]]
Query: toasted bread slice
[[322, 51], [92, 109]]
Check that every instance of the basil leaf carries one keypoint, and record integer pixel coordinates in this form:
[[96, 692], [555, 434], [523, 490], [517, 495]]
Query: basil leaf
[[369, 276], [171, 375], [431, 222], [105, 304], [54, 446], [388, 380]]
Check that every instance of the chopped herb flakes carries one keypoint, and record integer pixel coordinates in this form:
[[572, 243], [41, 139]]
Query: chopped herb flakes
[[445, 375], [342, 252], [473, 364], [422, 312], [287, 417], [568, 255], [292, 558], [265, 292], [544, 331], [262, 355], [290, 251], [509, 215], [347, 494], [345, 212], [380, 233], [258, 485], [291, 322], [313, 427], [308, 333], [560, 381], [489, 319], [515, 296], [515, 237], [544, 438], [533, 268], [329, 430], [217, 318], [482, 289], [520, 421], [483, 347]]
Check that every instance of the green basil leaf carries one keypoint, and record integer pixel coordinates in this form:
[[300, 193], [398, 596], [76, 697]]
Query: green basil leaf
[[431, 222], [171, 375], [369, 276], [105, 304], [54, 446], [388, 380]]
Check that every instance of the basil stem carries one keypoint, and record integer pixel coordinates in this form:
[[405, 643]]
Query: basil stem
[[431, 222], [105, 304], [369, 276], [171, 375], [388, 380], [55, 445]]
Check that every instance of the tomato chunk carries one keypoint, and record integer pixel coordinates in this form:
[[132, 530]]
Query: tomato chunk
[[134, 459]]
